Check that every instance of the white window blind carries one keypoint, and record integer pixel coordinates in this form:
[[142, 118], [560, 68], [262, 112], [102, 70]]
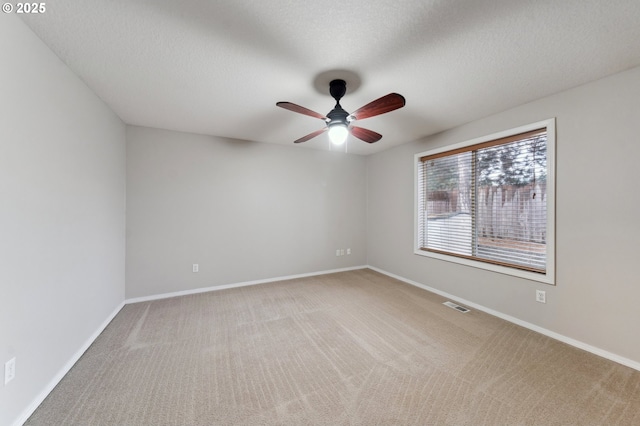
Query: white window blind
[[487, 201]]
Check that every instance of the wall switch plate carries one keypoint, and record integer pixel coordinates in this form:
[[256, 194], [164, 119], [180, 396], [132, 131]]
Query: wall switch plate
[[9, 370], [541, 296], [348, 251], [196, 267], [337, 252]]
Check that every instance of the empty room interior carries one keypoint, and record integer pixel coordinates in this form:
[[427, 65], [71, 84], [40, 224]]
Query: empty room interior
[[358, 213]]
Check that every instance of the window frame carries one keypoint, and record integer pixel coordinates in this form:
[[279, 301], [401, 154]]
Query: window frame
[[549, 276]]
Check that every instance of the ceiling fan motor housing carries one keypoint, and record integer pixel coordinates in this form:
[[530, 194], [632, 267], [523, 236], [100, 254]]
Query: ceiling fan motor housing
[[337, 116]]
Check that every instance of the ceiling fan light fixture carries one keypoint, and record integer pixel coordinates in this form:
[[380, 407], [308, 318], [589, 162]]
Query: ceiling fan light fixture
[[338, 133]]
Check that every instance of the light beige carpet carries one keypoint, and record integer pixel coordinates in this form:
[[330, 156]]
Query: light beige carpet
[[354, 348]]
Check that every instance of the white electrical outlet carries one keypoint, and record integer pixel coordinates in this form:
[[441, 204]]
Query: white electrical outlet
[[196, 267], [9, 370], [348, 251], [541, 296]]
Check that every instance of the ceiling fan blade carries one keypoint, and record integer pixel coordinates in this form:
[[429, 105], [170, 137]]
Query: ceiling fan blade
[[387, 103], [300, 109], [311, 135], [365, 134]]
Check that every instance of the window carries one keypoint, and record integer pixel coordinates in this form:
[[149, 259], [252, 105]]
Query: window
[[489, 202]]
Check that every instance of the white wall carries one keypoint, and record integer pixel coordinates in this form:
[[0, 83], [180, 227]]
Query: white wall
[[596, 297], [62, 215], [243, 211]]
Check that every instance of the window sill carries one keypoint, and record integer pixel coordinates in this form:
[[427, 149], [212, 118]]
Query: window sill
[[547, 278]]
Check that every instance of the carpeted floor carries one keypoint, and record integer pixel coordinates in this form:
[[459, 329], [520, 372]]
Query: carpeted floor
[[354, 348]]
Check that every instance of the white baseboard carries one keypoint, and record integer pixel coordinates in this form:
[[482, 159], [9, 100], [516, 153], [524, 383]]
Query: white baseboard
[[240, 284], [568, 340], [64, 370]]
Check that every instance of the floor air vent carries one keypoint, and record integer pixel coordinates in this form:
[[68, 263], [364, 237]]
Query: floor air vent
[[456, 307]]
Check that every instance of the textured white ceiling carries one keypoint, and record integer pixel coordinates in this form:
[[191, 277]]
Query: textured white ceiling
[[218, 67]]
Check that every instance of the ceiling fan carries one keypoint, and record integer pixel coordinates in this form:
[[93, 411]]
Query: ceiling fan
[[339, 121]]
